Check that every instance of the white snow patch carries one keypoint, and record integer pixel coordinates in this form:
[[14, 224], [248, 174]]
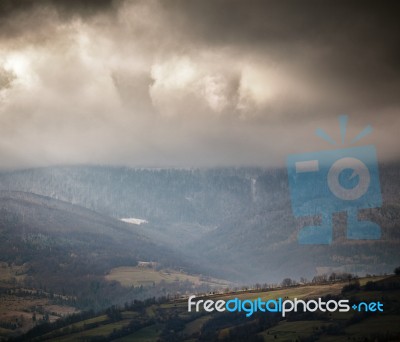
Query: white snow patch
[[133, 220]]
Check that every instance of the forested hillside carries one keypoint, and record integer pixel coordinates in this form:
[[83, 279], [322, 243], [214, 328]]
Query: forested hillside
[[235, 222]]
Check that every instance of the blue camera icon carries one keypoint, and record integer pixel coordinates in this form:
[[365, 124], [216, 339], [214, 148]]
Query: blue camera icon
[[326, 182]]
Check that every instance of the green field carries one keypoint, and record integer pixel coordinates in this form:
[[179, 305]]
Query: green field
[[195, 326], [148, 334], [292, 331], [103, 330]]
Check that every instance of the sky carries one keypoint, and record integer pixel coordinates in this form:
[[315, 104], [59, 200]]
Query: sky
[[194, 83]]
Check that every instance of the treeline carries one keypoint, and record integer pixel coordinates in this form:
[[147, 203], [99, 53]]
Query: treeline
[[168, 195], [97, 293]]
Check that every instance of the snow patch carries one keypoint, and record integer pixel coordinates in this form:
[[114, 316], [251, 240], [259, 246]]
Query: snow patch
[[133, 220]]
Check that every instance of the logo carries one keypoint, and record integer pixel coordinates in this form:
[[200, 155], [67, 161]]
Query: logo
[[325, 182], [249, 307]]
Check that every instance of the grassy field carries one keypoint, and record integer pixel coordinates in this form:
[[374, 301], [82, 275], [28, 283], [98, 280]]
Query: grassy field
[[195, 326], [292, 331], [365, 280], [102, 330], [137, 276], [388, 324], [148, 334], [15, 308], [78, 325], [384, 324], [18, 309], [12, 272]]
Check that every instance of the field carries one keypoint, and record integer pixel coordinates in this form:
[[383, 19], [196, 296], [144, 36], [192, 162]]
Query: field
[[19, 305], [12, 274], [145, 276], [291, 331], [148, 334], [102, 330], [22, 309], [19, 311], [195, 325]]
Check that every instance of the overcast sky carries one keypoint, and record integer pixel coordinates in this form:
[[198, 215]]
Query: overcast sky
[[193, 83]]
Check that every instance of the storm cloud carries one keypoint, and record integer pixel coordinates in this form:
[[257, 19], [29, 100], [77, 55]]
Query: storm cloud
[[193, 83]]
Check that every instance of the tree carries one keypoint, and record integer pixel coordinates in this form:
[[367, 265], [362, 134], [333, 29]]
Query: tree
[[288, 282], [397, 270]]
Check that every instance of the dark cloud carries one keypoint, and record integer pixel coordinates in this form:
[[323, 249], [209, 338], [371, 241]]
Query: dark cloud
[[24, 17], [281, 22], [354, 45], [74, 7], [167, 83]]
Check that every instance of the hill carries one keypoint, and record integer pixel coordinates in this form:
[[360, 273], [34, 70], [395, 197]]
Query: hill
[[166, 320], [236, 223], [68, 249]]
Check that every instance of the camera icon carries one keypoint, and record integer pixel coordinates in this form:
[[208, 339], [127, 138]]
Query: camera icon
[[326, 182]]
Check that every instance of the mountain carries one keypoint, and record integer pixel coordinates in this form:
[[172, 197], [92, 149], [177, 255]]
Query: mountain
[[68, 249], [262, 243], [236, 223], [161, 196]]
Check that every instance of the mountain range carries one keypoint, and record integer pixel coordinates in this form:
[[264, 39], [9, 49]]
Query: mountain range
[[232, 223]]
